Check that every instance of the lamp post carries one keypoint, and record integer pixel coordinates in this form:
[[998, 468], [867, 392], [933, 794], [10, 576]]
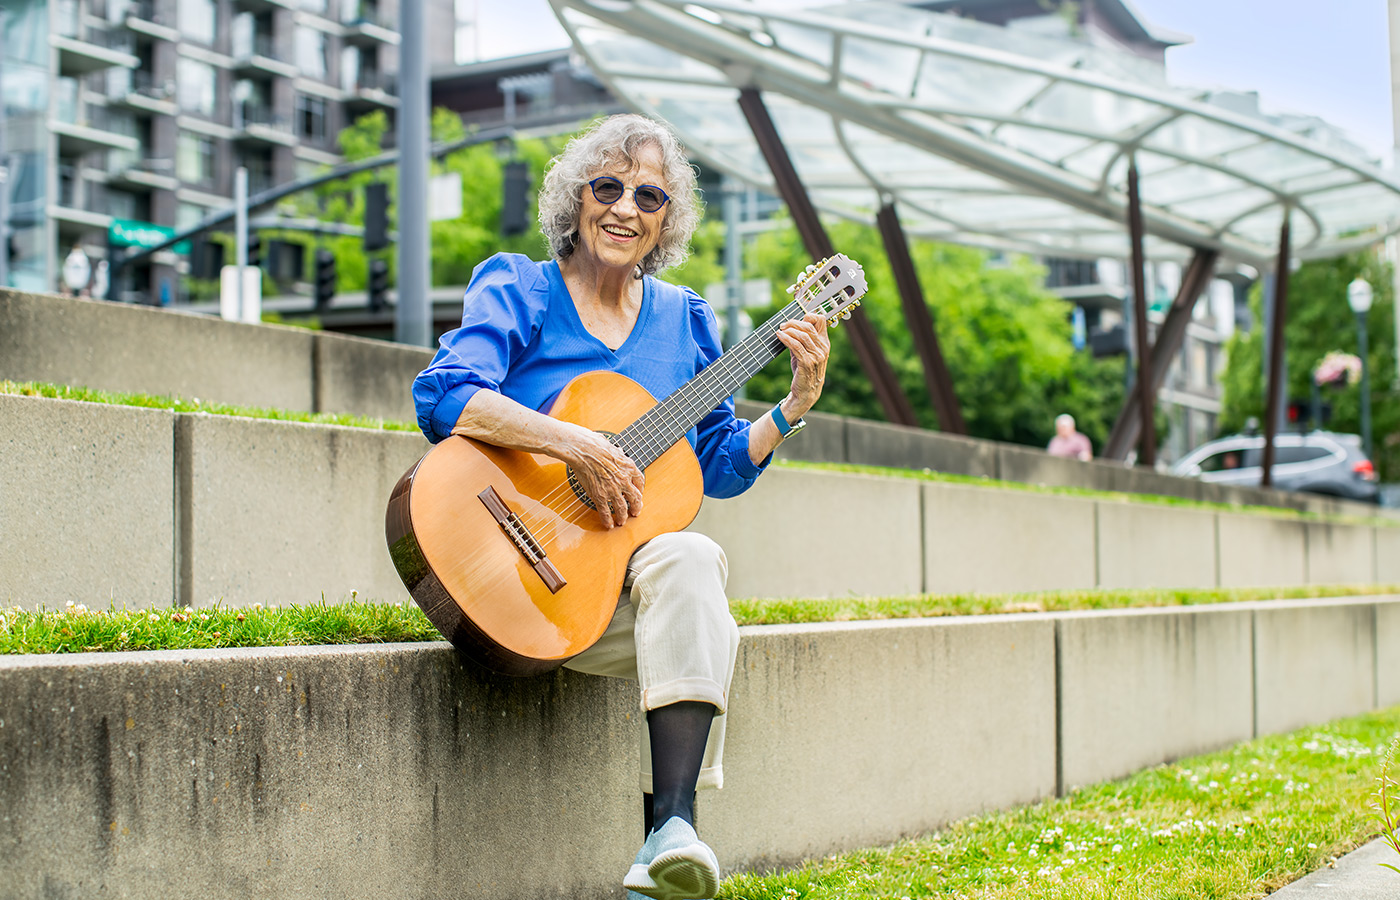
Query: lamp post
[[1359, 299]]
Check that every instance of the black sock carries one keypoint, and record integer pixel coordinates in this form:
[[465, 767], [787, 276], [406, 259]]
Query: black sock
[[678, 736]]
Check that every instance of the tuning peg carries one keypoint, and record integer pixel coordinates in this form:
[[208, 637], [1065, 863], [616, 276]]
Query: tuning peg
[[792, 288], [810, 269], [834, 322], [846, 314]]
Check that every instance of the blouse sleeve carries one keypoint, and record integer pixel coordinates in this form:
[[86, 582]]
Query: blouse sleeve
[[722, 440], [501, 313]]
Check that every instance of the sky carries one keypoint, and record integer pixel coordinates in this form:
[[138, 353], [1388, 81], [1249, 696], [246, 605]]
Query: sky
[[1327, 58]]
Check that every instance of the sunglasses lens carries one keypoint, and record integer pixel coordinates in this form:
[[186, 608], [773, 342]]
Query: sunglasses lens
[[607, 190], [649, 199]]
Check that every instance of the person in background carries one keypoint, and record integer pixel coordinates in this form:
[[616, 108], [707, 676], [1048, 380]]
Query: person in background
[[1069, 443]]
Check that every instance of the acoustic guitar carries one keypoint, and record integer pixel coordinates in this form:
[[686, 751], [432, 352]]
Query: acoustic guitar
[[503, 549]]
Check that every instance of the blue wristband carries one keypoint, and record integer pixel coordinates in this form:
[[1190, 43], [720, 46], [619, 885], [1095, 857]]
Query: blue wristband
[[776, 414]]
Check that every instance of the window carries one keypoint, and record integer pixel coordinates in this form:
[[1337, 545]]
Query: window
[[1301, 454], [194, 159], [1223, 461], [196, 19], [195, 87], [187, 215], [311, 118], [311, 52]]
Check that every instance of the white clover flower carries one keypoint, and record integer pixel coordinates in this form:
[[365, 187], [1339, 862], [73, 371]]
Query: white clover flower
[[1117, 848]]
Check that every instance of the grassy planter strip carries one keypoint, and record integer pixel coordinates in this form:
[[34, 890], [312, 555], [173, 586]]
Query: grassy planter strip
[[1235, 824], [76, 629], [194, 405], [180, 404]]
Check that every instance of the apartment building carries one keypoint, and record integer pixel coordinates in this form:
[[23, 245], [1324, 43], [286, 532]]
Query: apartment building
[[127, 118]]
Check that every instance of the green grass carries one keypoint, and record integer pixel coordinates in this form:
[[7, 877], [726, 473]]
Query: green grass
[[1236, 824], [784, 611], [77, 629], [195, 405]]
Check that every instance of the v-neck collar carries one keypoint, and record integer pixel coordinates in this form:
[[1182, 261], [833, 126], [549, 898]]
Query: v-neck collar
[[576, 321]]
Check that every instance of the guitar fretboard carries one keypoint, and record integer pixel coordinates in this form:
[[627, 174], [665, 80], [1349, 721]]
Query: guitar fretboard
[[667, 422]]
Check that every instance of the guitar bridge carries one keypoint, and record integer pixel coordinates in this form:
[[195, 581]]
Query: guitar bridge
[[523, 540]]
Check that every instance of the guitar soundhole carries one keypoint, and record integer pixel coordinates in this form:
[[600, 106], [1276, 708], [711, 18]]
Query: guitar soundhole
[[578, 485]]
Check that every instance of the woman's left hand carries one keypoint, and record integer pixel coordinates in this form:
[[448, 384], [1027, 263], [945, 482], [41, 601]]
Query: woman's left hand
[[809, 346]]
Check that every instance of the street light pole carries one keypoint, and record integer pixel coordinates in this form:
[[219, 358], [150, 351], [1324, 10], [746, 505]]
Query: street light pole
[[1359, 299]]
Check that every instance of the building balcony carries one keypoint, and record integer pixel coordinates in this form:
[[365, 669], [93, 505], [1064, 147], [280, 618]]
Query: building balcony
[[145, 23], [263, 5], [133, 172], [369, 31], [371, 91], [256, 124], [135, 90], [89, 131], [75, 212], [258, 57], [85, 50]]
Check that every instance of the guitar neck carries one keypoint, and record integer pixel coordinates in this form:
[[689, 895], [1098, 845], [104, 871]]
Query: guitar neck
[[667, 422]]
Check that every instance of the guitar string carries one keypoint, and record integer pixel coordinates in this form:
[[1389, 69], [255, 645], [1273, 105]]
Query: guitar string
[[705, 393], [656, 430], [703, 390]]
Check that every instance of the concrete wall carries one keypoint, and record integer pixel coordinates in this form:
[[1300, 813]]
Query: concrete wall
[[127, 348], [117, 347], [87, 509], [392, 771], [1141, 687], [1150, 545], [1313, 661], [989, 541], [199, 508], [282, 512]]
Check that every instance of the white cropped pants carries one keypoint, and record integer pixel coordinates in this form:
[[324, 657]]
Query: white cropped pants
[[673, 633]]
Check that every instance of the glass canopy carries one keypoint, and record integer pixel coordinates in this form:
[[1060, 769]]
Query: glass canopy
[[986, 135]]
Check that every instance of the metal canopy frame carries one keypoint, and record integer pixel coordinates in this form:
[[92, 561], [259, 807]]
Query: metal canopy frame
[[1020, 166]]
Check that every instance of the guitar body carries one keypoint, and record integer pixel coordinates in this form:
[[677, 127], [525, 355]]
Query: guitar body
[[477, 585]]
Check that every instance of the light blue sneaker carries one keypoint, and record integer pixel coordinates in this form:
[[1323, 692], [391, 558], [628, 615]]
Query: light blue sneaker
[[681, 867]]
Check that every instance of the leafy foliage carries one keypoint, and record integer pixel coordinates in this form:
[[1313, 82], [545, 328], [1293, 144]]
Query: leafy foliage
[[1320, 321], [1005, 338]]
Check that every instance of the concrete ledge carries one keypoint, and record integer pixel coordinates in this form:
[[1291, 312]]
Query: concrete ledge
[[1261, 550], [1387, 654], [1034, 466], [117, 347], [283, 512], [879, 444], [984, 540], [1314, 661], [1142, 687], [1152, 545], [1341, 554], [366, 378], [87, 503], [392, 771], [1387, 555], [819, 534]]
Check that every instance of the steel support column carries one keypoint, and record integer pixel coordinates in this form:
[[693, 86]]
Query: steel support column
[[1147, 433], [1280, 319], [804, 215], [1196, 279], [920, 322]]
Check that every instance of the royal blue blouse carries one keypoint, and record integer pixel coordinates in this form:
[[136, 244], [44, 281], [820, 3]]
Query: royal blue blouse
[[521, 335]]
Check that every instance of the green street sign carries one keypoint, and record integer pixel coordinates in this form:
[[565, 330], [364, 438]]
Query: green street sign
[[131, 233]]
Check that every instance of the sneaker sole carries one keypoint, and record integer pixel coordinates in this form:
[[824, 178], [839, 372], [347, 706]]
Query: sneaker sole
[[684, 875]]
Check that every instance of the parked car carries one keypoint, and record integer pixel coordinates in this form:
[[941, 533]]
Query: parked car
[[1319, 462]]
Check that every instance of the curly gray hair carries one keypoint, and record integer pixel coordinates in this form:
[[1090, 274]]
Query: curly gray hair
[[614, 140]]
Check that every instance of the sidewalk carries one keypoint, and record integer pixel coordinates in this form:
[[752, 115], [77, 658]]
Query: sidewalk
[[1357, 877]]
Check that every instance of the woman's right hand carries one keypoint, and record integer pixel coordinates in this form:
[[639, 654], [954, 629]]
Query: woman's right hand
[[609, 477]]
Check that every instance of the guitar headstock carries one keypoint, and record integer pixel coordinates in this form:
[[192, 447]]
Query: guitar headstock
[[831, 288]]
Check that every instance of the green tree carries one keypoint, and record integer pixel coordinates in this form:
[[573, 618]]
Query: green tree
[[1006, 340], [1320, 321]]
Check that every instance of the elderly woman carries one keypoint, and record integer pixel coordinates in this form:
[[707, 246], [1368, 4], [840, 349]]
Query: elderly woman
[[617, 206]]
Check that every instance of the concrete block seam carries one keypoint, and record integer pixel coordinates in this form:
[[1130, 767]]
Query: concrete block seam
[[184, 510], [1254, 669], [1059, 710]]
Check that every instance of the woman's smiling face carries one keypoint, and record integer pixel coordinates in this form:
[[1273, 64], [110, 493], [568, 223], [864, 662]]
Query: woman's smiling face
[[619, 235]]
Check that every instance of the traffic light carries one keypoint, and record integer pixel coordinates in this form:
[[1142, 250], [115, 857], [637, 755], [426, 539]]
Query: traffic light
[[376, 216], [515, 206], [378, 283], [325, 278], [254, 249]]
